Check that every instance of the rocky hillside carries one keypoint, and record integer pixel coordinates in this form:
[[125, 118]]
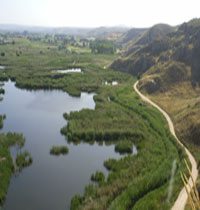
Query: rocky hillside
[[156, 32], [170, 58], [136, 60], [132, 35], [170, 71]]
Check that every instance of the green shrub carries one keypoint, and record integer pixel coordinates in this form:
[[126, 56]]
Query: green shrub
[[57, 150], [98, 177], [124, 146], [66, 116], [64, 130], [2, 91], [76, 202], [90, 190], [23, 159]]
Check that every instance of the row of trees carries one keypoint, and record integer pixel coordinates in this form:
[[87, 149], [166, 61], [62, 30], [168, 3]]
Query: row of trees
[[102, 47]]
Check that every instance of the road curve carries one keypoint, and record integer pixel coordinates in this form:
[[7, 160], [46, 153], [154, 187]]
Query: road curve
[[182, 198]]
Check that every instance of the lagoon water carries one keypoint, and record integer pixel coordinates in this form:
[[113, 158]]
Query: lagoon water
[[77, 70], [50, 182], [2, 67]]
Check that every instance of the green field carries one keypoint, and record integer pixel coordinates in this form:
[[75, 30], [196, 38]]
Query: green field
[[135, 181]]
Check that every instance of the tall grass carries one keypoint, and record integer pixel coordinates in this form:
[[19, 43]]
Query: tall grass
[[57, 150]]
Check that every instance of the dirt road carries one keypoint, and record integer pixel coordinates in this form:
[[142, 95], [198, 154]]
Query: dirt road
[[182, 198]]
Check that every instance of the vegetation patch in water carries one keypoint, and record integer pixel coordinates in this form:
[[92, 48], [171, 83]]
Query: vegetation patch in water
[[66, 116], [23, 159], [2, 91], [58, 150], [98, 177], [76, 202], [124, 146], [2, 117], [6, 161], [3, 77]]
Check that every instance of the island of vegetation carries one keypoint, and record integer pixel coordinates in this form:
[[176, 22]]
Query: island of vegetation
[[58, 150], [2, 91], [23, 159], [6, 162], [124, 146]]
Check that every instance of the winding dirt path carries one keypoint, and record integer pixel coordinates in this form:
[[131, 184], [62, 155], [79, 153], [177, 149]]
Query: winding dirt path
[[182, 198]]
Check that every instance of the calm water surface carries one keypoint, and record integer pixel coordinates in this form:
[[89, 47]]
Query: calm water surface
[[2, 67], [77, 70], [50, 182]]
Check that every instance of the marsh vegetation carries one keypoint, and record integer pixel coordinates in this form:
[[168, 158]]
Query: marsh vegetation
[[59, 150], [23, 159], [126, 118], [6, 161]]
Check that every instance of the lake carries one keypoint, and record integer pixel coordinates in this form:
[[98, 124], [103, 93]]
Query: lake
[[51, 181]]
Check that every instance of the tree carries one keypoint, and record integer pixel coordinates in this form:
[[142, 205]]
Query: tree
[[102, 47]]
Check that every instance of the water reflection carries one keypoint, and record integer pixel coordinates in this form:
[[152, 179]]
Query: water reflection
[[78, 70]]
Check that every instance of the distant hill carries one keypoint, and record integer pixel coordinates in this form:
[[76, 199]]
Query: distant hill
[[108, 32], [101, 32], [176, 57], [155, 32], [135, 60], [147, 36], [132, 34], [39, 29]]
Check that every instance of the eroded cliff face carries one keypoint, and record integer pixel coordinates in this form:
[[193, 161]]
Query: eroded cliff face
[[169, 68], [180, 48], [165, 77], [135, 66]]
